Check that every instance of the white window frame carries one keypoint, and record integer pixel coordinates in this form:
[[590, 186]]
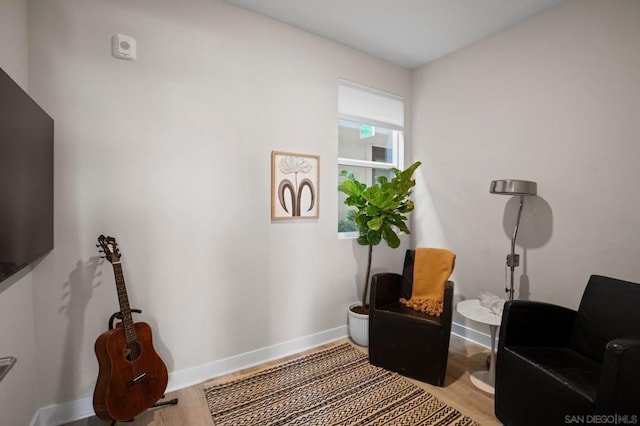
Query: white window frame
[[396, 124]]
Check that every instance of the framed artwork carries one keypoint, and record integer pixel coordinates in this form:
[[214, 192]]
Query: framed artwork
[[295, 182]]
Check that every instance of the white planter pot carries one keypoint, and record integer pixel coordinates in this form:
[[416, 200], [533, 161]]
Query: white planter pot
[[358, 327]]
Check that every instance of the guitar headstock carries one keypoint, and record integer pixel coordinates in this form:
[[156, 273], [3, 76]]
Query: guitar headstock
[[109, 247]]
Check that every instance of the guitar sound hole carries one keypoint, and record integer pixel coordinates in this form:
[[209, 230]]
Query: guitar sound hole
[[132, 351]]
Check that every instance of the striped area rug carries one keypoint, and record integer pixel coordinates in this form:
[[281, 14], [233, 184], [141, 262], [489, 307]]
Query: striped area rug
[[334, 386]]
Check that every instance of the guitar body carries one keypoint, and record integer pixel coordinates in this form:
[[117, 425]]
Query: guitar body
[[131, 378]]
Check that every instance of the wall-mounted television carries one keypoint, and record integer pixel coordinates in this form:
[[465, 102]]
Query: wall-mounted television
[[26, 179]]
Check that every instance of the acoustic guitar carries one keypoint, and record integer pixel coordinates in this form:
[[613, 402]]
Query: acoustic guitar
[[131, 377]]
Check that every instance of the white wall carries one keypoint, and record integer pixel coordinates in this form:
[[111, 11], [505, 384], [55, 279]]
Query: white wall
[[18, 395], [171, 155], [14, 40], [555, 100]]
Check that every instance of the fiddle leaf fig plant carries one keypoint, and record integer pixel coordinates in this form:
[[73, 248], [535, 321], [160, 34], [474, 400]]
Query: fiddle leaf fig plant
[[380, 210]]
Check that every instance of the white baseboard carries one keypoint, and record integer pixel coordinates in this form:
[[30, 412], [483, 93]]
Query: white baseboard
[[66, 412], [482, 339]]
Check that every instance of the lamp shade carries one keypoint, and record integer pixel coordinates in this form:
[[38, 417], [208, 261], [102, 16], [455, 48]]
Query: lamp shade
[[513, 187]]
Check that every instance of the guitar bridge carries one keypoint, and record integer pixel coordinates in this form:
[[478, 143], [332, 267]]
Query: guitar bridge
[[139, 379]]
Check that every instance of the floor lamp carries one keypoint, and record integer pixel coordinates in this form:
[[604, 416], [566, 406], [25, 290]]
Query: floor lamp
[[513, 187]]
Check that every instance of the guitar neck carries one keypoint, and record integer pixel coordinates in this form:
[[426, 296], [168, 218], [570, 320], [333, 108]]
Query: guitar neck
[[123, 299]]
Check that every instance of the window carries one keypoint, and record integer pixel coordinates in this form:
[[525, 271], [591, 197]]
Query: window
[[370, 140]]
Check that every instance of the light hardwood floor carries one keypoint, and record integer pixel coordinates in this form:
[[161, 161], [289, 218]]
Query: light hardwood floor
[[458, 392]]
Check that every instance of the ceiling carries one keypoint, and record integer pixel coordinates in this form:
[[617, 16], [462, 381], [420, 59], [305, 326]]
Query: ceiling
[[408, 33]]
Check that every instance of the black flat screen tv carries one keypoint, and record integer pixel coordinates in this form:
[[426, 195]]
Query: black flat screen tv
[[26, 179]]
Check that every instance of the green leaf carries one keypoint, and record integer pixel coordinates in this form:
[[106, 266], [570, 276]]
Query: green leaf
[[408, 172], [374, 237], [372, 193], [390, 236], [375, 223], [372, 210], [401, 226], [361, 219], [350, 187], [381, 198], [389, 203], [346, 187], [406, 207]]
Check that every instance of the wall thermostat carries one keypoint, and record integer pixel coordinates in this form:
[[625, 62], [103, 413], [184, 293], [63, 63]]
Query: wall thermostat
[[123, 47]]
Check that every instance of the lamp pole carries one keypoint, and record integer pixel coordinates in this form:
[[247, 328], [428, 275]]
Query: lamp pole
[[513, 259]]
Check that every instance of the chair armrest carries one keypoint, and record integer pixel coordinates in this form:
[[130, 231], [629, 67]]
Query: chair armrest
[[527, 323], [447, 314], [619, 378], [385, 288]]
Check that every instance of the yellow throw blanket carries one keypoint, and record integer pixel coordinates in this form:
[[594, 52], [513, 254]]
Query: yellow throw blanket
[[431, 269]]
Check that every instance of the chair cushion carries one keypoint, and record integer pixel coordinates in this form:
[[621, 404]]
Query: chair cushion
[[577, 372], [397, 309], [541, 385]]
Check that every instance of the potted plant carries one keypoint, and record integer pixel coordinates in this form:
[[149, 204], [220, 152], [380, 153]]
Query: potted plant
[[380, 213]]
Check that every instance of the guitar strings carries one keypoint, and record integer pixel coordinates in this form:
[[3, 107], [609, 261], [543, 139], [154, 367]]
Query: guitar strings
[[131, 345]]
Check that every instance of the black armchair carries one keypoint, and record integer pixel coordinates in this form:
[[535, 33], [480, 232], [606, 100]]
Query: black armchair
[[402, 339], [557, 366]]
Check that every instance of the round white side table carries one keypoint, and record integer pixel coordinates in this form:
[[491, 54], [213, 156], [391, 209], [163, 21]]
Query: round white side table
[[471, 309]]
